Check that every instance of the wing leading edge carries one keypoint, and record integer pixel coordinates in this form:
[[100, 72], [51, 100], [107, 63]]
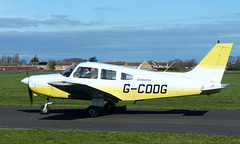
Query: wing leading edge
[[82, 91]]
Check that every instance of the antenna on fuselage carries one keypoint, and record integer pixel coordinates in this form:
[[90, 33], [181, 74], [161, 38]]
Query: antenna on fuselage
[[170, 66], [139, 67]]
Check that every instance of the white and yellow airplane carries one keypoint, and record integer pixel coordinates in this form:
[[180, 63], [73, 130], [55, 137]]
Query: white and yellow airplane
[[104, 82]]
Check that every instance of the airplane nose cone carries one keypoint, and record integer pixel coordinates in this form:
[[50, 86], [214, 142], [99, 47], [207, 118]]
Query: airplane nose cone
[[25, 80]]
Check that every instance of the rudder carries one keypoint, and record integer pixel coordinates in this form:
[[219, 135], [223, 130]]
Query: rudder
[[212, 66]]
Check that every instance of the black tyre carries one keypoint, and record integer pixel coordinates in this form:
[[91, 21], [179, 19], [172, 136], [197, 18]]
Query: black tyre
[[110, 107], [46, 111], [92, 111]]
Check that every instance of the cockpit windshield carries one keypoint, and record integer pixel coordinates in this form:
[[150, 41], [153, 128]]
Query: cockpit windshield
[[68, 71]]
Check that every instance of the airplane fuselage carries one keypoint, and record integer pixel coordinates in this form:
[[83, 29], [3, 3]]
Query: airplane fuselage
[[101, 82], [139, 84]]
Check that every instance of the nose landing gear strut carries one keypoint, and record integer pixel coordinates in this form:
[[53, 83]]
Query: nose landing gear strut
[[45, 109]]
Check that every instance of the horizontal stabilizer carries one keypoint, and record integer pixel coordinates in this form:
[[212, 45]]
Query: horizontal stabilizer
[[214, 88]]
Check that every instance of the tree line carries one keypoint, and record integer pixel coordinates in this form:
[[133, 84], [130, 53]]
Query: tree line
[[11, 59], [16, 59], [179, 65], [182, 65], [52, 63], [233, 63]]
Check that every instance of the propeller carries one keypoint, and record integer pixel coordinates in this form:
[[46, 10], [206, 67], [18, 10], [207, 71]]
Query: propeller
[[29, 90], [30, 95], [26, 81]]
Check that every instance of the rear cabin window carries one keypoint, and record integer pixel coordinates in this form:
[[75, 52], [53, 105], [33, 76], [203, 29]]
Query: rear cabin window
[[108, 74], [125, 76], [86, 72]]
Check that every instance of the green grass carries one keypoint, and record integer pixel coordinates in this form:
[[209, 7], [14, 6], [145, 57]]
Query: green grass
[[232, 72], [75, 136], [14, 93]]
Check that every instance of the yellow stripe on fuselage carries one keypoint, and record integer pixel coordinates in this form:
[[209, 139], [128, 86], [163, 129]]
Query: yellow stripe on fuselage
[[118, 92], [135, 95], [49, 91]]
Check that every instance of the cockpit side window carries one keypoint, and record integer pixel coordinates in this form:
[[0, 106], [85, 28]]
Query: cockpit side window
[[125, 76], [68, 71], [86, 72], [108, 74]]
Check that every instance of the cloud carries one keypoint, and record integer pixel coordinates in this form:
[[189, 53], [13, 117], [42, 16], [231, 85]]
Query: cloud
[[107, 9], [122, 44], [114, 45], [53, 20]]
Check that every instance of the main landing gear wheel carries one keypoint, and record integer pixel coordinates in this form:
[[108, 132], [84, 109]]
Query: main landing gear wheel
[[44, 110], [92, 111], [110, 107]]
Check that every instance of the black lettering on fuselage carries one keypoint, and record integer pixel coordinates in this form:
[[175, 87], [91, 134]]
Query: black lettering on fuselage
[[126, 90], [156, 89], [139, 88], [163, 91], [146, 88]]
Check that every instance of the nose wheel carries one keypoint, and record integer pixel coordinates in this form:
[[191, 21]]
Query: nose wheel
[[45, 109]]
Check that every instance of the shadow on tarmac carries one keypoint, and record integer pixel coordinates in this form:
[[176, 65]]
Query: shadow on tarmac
[[80, 113]]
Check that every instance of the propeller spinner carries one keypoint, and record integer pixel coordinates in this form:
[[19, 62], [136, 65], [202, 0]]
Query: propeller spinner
[[26, 81]]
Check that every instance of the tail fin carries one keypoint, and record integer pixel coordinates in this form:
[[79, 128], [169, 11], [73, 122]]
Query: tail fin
[[212, 67]]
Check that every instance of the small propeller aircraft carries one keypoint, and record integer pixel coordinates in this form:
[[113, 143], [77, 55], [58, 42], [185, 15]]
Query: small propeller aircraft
[[101, 82]]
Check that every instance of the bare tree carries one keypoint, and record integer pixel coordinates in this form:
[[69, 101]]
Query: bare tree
[[183, 65], [233, 63], [4, 59], [16, 58], [231, 60], [9, 59], [190, 64], [237, 63]]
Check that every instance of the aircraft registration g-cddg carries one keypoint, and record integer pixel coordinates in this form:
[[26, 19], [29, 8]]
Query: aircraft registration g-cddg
[[100, 82], [147, 88]]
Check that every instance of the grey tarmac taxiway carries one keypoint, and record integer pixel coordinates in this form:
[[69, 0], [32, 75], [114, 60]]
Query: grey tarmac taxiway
[[215, 122]]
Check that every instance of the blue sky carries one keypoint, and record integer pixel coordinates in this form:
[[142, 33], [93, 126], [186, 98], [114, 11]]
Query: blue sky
[[135, 30]]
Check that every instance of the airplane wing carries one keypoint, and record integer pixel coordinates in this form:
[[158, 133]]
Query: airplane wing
[[81, 91]]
